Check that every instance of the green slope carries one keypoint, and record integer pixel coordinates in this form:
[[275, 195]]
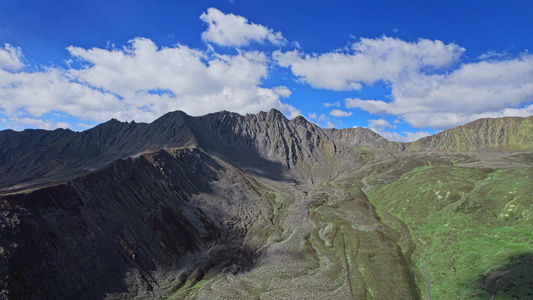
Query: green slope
[[501, 134], [471, 226]]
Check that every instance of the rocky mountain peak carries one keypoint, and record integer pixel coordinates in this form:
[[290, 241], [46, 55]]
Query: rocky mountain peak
[[300, 120], [249, 141], [272, 115]]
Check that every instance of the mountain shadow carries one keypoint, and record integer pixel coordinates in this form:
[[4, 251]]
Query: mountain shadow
[[510, 280]]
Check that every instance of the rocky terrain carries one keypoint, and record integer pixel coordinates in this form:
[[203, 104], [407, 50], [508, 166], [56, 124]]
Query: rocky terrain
[[226, 206]]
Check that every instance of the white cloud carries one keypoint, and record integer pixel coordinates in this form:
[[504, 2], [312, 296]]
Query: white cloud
[[321, 120], [282, 91], [11, 58], [141, 82], [371, 106], [369, 60], [380, 124], [232, 30], [492, 55], [50, 90], [473, 91], [84, 126], [405, 137], [18, 123], [335, 104], [429, 86], [340, 113]]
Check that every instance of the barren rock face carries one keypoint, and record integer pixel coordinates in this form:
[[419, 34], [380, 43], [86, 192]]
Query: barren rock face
[[226, 206]]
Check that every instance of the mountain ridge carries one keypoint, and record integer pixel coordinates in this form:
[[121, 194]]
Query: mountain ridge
[[226, 205], [507, 134], [62, 154]]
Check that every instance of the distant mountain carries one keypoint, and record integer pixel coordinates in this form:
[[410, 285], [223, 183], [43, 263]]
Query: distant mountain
[[59, 155], [37, 157], [224, 206], [503, 134]]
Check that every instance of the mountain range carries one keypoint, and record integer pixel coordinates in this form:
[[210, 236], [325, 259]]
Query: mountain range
[[226, 206]]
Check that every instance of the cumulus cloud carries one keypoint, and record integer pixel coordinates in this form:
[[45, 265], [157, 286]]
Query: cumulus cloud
[[493, 55], [34, 122], [49, 90], [232, 30], [380, 124], [282, 91], [429, 84], [381, 127], [371, 106], [11, 58], [340, 113], [473, 91], [337, 103], [368, 61], [321, 120], [404, 137], [141, 82]]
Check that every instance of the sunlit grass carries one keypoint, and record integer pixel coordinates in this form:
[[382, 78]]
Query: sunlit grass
[[465, 221]]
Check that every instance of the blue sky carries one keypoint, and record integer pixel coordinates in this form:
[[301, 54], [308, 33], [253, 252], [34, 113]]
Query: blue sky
[[405, 69]]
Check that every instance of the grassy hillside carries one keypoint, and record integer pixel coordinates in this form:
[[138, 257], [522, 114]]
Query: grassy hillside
[[502, 134], [472, 226]]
